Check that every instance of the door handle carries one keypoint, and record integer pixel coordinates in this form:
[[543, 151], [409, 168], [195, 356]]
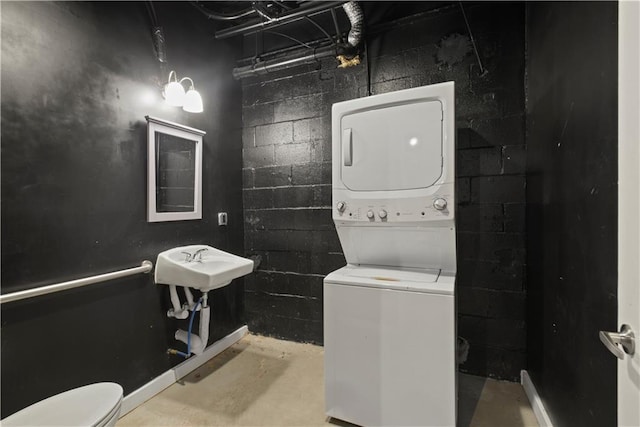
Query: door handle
[[347, 147], [621, 342]]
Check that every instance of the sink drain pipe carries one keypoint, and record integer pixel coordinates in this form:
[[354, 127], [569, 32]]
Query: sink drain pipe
[[178, 311], [196, 343]]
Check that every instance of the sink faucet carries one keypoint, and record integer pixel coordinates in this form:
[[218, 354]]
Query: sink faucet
[[194, 257], [197, 255]]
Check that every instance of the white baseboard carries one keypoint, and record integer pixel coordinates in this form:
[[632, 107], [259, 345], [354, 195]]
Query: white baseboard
[[193, 363], [536, 402], [136, 398], [156, 385]]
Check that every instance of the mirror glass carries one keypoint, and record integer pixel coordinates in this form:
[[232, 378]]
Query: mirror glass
[[174, 184], [175, 173]]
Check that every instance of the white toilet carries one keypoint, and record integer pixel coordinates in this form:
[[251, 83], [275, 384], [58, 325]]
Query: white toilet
[[94, 405]]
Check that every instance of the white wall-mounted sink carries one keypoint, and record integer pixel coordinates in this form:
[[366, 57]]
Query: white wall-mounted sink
[[200, 266]]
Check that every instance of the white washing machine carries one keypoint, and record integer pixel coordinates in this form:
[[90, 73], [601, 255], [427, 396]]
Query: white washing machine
[[389, 315]]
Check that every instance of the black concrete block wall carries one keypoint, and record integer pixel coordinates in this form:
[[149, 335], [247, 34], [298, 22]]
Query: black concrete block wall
[[77, 80], [287, 176]]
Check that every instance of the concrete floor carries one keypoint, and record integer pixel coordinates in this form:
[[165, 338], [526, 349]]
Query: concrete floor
[[263, 381]]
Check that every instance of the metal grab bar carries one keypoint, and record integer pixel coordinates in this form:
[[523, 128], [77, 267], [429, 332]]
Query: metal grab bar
[[145, 267]]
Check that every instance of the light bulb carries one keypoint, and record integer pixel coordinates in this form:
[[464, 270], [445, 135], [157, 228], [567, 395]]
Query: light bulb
[[174, 94], [192, 101]]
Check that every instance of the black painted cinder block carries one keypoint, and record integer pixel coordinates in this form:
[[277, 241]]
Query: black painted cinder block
[[247, 178], [508, 275], [248, 137], [488, 217], [321, 241], [514, 217], [388, 67], [290, 261], [494, 362], [257, 198], [318, 263], [484, 132], [290, 219], [272, 176], [514, 159], [255, 115], [479, 161], [284, 305], [267, 240], [298, 108], [279, 283], [311, 173], [294, 237], [300, 330], [258, 156], [311, 129], [500, 333], [274, 134], [489, 303], [391, 85], [321, 150], [308, 196], [463, 190], [293, 153], [502, 247], [498, 189], [282, 261]]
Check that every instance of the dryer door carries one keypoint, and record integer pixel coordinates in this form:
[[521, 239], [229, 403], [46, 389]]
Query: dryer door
[[397, 147]]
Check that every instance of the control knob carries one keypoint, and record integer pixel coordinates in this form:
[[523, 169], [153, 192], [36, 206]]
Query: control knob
[[341, 206], [370, 214], [440, 204], [382, 214]]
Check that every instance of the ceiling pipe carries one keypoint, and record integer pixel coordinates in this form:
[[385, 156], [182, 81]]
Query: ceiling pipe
[[306, 10], [222, 16], [346, 54], [293, 59]]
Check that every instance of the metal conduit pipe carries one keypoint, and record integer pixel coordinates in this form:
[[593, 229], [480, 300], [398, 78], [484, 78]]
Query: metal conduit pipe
[[222, 16], [307, 9], [292, 60]]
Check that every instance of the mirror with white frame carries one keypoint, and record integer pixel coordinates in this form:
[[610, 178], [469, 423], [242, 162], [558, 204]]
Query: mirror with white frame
[[174, 181]]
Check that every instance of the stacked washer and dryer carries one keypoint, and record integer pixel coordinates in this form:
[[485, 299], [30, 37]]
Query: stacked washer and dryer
[[389, 315]]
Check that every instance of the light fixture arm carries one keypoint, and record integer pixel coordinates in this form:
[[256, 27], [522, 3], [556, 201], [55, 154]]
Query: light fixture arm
[[193, 86], [175, 76]]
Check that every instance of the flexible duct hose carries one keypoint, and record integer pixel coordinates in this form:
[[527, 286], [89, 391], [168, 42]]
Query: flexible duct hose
[[356, 17]]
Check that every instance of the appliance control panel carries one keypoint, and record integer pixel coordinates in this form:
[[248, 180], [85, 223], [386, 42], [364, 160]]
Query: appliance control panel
[[435, 207]]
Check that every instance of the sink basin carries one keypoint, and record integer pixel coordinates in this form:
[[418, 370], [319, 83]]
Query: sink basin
[[211, 269]]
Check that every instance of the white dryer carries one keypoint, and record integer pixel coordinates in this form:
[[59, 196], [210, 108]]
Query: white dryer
[[389, 315]]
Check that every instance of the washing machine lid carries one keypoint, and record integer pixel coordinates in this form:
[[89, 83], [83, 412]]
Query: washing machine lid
[[405, 279], [83, 406]]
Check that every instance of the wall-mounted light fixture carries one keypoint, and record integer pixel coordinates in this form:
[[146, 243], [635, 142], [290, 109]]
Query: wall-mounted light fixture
[[174, 94]]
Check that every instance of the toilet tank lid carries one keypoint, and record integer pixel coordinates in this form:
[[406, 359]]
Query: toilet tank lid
[[83, 406]]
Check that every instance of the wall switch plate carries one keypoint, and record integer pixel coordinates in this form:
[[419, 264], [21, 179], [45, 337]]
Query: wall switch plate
[[222, 218]]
